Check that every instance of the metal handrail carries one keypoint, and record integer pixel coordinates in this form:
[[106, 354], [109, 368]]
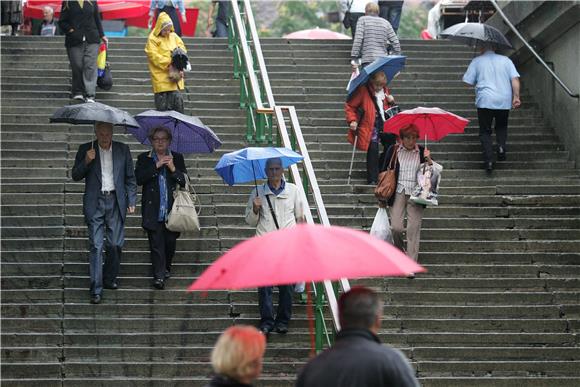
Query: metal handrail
[[515, 31], [278, 112]]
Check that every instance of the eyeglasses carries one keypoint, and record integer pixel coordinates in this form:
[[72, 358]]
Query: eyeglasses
[[160, 139]]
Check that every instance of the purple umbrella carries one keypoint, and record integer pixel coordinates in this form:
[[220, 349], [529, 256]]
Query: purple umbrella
[[190, 135]]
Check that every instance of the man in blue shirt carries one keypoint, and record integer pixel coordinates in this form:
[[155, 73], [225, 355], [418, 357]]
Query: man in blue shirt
[[497, 90]]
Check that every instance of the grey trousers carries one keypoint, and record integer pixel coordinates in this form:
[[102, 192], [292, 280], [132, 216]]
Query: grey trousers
[[169, 100], [83, 63], [414, 212]]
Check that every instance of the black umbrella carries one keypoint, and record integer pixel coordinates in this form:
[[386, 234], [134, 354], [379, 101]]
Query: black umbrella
[[179, 59], [91, 112], [473, 33]]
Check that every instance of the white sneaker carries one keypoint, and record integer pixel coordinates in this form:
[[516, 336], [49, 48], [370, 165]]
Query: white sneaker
[[92, 100], [79, 97]]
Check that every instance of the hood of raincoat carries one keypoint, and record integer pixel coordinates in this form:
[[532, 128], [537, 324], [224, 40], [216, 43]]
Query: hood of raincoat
[[158, 50]]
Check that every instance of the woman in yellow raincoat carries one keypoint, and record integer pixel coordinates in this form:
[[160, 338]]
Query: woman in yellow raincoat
[[166, 80]]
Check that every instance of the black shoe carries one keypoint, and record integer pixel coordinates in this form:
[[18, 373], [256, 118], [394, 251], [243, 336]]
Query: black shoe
[[112, 285], [411, 276], [95, 299], [266, 330], [282, 329], [167, 274], [372, 182], [501, 154], [159, 284], [488, 166]]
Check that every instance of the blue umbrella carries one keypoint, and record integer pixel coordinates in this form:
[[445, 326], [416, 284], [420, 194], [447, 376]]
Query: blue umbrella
[[391, 65], [189, 134], [245, 165]]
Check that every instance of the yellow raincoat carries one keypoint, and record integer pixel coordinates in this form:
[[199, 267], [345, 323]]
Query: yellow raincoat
[[158, 51]]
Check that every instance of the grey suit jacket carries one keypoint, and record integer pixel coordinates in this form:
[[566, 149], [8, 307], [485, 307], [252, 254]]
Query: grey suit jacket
[[123, 174]]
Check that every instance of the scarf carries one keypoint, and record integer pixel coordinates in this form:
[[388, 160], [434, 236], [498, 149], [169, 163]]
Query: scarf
[[163, 198]]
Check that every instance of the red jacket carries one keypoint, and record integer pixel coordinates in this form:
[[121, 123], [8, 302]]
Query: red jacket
[[362, 99]]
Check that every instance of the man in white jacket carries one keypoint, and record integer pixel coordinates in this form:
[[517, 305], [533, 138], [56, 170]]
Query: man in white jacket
[[274, 205]]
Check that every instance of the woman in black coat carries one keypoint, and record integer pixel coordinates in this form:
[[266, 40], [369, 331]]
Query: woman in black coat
[[159, 171], [81, 23]]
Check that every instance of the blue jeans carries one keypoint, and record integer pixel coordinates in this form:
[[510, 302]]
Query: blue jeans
[[221, 29], [105, 231], [284, 311], [392, 14]]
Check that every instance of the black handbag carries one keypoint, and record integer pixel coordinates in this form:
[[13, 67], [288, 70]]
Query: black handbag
[[346, 19], [106, 81]]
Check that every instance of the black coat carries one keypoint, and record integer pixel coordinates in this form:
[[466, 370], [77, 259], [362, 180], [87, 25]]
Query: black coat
[[147, 175], [224, 381], [85, 22], [358, 359], [387, 160]]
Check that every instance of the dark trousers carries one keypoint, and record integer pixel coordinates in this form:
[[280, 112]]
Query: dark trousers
[[162, 244], [105, 232], [172, 12], [373, 162], [83, 63], [392, 14], [284, 311], [353, 20], [485, 118], [221, 29], [169, 100]]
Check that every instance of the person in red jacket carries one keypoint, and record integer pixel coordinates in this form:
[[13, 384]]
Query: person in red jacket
[[372, 99]]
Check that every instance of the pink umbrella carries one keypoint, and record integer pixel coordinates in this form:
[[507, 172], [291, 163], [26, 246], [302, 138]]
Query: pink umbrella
[[305, 253], [316, 34], [433, 123]]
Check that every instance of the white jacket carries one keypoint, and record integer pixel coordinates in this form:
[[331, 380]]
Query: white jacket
[[287, 207]]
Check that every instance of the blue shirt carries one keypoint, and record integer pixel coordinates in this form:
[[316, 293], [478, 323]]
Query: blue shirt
[[279, 190], [492, 75]]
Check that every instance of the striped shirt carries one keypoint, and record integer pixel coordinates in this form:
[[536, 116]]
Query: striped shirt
[[373, 37], [409, 162]]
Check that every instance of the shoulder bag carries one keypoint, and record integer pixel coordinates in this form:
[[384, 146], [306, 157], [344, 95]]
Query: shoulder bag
[[184, 216], [387, 183], [346, 19]]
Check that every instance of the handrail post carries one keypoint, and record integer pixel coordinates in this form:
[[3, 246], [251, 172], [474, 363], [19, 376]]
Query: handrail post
[[319, 319]]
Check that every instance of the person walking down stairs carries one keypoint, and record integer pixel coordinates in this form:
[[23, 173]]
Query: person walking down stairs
[[166, 80], [159, 171], [110, 192], [81, 23]]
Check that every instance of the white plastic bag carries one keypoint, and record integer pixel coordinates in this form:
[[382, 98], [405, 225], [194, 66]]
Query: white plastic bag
[[381, 226]]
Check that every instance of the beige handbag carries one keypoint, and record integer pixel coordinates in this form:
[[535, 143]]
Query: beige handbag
[[184, 216]]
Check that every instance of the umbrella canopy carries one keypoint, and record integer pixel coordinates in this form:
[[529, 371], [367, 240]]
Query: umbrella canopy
[[317, 34], [109, 9], [473, 33], [91, 112], [304, 253], [433, 123], [391, 65], [189, 134], [249, 164]]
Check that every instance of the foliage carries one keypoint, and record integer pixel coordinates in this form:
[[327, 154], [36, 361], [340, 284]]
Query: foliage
[[413, 21], [301, 15]]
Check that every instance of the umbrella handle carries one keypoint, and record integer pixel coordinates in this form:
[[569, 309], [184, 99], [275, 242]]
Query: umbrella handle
[[255, 182], [352, 159]]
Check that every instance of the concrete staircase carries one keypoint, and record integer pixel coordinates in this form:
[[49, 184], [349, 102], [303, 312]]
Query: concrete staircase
[[499, 305]]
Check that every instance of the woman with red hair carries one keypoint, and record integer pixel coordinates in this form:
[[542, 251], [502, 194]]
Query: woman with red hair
[[409, 156]]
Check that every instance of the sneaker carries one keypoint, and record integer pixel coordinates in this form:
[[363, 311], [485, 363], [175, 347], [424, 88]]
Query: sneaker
[[89, 99], [79, 97], [501, 154]]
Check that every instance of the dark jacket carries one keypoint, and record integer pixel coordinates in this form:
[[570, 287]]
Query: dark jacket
[[224, 381], [85, 22], [124, 178], [358, 359], [385, 163], [147, 175]]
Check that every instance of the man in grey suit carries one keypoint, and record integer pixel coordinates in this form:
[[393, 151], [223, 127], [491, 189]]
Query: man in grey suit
[[110, 192]]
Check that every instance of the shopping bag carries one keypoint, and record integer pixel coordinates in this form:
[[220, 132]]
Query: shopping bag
[[428, 180], [381, 227], [183, 216]]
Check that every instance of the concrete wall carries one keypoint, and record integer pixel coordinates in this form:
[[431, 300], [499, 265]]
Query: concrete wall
[[553, 29]]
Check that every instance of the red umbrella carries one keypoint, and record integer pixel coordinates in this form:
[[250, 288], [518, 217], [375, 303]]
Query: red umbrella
[[433, 123], [305, 253], [110, 9], [317, 34]]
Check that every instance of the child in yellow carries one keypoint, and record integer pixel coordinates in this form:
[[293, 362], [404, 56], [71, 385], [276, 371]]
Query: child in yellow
[[167, 82]]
